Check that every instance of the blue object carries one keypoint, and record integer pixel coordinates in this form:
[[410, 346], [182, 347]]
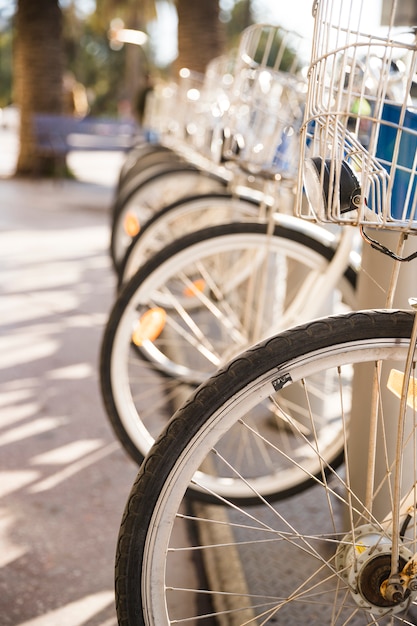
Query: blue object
[[406, 155]]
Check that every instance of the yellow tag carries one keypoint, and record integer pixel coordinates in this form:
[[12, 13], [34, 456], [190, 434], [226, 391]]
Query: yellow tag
[[395, 385]]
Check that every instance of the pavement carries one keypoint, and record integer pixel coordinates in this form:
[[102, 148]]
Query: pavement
[[64, 478]]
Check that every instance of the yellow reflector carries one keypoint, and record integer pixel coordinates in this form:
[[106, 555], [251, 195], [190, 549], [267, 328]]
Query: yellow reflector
[[395, 384], [149, 326], [197, 286], [131, 224]]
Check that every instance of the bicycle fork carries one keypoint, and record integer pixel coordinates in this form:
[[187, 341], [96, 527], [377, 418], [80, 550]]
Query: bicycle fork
[[373, 558], [401, 583]]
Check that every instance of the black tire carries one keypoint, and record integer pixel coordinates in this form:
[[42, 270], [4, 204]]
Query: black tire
[[148, 165]]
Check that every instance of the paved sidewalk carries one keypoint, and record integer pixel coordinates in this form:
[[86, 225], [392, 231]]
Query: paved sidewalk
[[64, 479]]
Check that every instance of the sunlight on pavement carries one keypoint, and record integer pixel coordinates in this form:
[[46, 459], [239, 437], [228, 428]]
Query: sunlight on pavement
[[71, 470], [11, 397], [18, 401], [61, 491], [28, 307], [41, 425], [29, 345], [87, 321], [75, 613], [15, 479], [67, 454], [72, 372], [15, 411], [8, 551]]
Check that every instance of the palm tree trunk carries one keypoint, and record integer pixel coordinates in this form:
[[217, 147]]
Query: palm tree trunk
[[38, 72], [201, 35]]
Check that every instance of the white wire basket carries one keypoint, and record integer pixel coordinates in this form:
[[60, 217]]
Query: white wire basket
[[205, 115], [359, 136], [170, 107], [188, 114], [266, 107], [160, 109]]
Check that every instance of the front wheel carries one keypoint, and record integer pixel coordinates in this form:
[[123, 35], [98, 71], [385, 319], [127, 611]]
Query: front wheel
[[321, 556], [155, 190], [194, 304], [182, 217]]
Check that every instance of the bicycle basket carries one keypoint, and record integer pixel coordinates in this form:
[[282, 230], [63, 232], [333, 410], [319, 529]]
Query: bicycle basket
[[160, 109], [265, 114], [359, 135], [205, 120]]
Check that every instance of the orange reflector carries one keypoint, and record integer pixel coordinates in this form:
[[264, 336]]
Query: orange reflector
[[395, 385], [131, 224], [197, 286], [149, 326]]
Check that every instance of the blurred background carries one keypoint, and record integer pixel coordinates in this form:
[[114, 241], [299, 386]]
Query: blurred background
[[98, 58]]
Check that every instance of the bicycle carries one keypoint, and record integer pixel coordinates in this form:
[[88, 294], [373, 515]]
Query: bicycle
[[209, 294], [167, 174], [343, 552], [246, 121], [139, 156]]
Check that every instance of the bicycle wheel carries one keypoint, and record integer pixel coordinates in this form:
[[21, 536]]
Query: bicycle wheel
[[140, 157], [321, 556], [181, 217], [169, 183], [192, 306], [147, 165]]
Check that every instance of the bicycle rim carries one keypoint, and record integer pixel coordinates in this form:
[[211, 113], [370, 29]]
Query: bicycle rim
[[222, 289]]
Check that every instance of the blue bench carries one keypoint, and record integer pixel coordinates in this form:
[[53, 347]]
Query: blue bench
[[56, 135]]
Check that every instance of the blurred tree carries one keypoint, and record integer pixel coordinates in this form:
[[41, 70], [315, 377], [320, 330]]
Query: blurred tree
[[91, 61], [55, 35], [38, 72], [133, 14], [6, 67], [201, 35], [239, 18]]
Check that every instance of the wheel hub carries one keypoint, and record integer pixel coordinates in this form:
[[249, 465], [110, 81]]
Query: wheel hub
[[365, 563], [372, 575]]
